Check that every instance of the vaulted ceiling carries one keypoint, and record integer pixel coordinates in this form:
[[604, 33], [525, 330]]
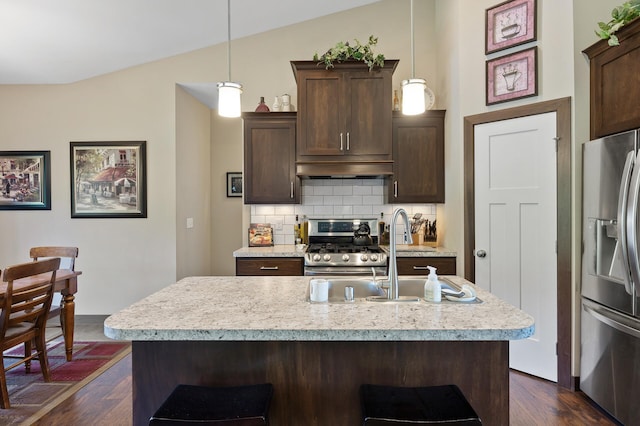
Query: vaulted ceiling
[[63, 41]]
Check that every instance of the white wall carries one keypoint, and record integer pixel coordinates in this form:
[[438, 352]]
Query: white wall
[[227, 213], [193, 170]]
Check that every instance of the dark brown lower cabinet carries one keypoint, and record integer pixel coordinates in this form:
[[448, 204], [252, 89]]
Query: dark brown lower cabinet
[[268, 266], [418, 265]]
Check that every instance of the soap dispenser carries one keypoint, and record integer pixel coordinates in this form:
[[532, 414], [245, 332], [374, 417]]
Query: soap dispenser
[[432, 287]]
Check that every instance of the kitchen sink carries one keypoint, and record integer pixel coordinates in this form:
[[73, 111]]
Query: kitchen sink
[[410, 289], [362, 288]]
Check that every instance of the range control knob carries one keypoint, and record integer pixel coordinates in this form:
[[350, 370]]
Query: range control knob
[[327, 257], [364, 257], [316, 258], [374, 257], [345, 257]]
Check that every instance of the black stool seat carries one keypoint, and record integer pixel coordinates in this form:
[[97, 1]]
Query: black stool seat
[[389, 405], [202, 405]]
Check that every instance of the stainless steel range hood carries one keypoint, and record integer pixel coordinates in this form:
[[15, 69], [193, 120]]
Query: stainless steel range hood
[[342, 169]]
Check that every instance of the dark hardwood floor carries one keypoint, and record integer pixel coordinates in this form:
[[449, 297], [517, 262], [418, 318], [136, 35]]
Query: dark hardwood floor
[[107, 401]]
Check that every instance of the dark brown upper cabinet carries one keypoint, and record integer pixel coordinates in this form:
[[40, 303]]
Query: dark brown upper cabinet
[[269, 158], [344, 113], [418, 154], [615, 83]]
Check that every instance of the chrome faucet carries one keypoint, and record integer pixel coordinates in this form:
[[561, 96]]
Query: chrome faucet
[[394, 292]]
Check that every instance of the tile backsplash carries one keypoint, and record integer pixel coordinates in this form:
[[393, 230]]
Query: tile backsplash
[[334, 198]]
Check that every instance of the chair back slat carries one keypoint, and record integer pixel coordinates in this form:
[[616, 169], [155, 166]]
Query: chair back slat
[[27, 305], [24, 270], [68, 253]]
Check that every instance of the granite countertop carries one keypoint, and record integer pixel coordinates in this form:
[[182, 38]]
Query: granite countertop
[[286, 250], [275, 308], [282, 250]]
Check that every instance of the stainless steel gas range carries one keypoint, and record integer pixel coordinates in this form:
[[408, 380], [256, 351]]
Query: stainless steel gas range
[[344, 247]]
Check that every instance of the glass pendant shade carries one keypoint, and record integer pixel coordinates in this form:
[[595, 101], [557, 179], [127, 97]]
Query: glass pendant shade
[[229, 99], [413, 96]]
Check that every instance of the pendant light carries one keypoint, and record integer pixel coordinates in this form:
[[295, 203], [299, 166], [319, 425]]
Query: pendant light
[[228, 91], [413, 89]]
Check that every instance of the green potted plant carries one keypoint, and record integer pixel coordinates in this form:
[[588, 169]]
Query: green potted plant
[[621, 15], [342, 52]]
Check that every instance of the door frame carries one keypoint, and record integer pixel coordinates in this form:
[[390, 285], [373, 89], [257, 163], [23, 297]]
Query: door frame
[[562, 108]]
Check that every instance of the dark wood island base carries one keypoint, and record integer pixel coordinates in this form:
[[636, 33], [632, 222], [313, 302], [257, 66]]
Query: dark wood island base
[[317, 382]]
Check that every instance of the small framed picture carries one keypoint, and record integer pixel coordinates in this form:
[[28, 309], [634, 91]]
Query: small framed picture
[[234, 184], [25, 177], [510, 24], [512, 76], [108, 179], [260, 235]]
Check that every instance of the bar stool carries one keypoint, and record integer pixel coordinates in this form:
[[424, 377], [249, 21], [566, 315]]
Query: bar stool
[[202, 405], [389, 405]]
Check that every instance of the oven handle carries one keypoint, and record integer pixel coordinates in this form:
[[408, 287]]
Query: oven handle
[[344, 271]]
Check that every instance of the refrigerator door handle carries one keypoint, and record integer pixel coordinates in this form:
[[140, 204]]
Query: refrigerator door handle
[[611, 318], [632, 227], [623, 201]]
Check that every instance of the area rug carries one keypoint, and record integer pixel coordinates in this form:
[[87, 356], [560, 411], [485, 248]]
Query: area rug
[[31, 398]]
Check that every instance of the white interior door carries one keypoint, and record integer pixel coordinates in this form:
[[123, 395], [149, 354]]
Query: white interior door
[[515, 229]]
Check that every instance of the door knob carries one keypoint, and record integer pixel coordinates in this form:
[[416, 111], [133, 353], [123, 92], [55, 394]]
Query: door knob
[[481, 253]]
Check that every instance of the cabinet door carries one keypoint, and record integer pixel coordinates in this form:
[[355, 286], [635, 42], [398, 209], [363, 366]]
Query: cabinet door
[[268, 266], [319, 116], [418, 159], [418, 265], [367, 106], [269, 159]]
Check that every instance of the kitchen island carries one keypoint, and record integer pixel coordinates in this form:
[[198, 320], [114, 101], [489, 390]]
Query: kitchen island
[[242, 330]]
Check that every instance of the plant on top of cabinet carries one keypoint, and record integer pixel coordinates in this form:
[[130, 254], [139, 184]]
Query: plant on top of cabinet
[[342, 51], [621, 15]]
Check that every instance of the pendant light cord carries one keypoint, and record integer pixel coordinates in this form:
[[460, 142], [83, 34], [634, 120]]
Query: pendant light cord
[[413, 50], [229, 37]]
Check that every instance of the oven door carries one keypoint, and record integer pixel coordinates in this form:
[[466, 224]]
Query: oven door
[[345, 270]]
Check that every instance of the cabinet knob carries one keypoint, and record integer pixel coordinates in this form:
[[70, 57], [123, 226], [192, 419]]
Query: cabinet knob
[[268, 268], [395, 188], [341, 142], [348, 142], [291, 190]]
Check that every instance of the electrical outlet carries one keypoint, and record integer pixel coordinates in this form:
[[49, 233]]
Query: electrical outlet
[[277, 224], [189, 222]]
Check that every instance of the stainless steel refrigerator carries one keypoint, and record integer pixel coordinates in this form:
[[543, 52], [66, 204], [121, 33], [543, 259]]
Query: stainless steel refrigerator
[[610, 330]]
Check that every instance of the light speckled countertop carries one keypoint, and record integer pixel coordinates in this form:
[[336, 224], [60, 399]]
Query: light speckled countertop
[[290, 251], [275, 308]]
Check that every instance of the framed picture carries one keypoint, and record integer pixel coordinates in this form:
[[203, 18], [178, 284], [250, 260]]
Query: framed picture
[[234, 184], [260, 235], [25, 177], [510, 24], [108, 179], [512, 76]]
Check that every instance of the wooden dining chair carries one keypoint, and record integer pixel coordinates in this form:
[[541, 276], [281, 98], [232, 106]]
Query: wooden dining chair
[[67, 257], [25, 305]]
